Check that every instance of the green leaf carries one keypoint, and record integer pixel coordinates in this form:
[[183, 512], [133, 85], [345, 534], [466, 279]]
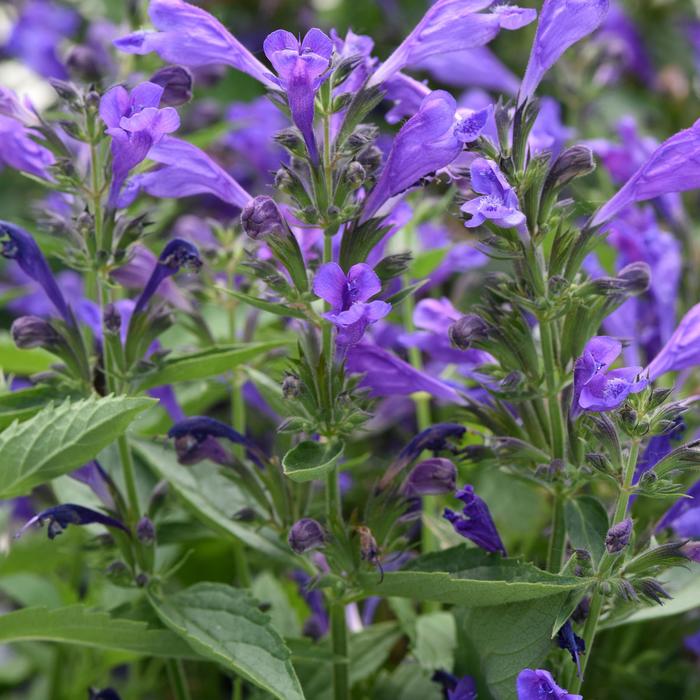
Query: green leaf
[[436, 639], [212, 498], [397, 298], [61, 438], [75, 624], [20, 405], [467, 576], [205, 363], [224, 624], [13, 360], [587, 525], [425, 263], [311, 460], [262, 304]]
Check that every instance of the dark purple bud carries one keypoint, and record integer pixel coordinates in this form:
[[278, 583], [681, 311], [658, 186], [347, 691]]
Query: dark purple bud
[[635, 277], [261, 217], [60, 517], [306, 534], [468, 330], [456, 688], [371, 159], [85, 63], [291, 386], [119, 574], [618, 536], [146, 531], [142, 580], [16, 244], [569, 640], [475, 522], [572, 163], [355, 175], [653, 589], [106, 694], [112, 319], [176, 82], [431, 477], [34, 332]]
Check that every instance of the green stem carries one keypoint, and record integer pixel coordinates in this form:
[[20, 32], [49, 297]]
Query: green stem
[[556, 418], [178, 680], [557, 540], [339, 635]]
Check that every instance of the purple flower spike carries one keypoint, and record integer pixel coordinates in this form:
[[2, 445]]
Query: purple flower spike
[[498, 203], [673, 167], [16, 244], [539, 684], [191, 37], [135, 123], [425, 143], [562, 23], [451, 25], [682, 349], [351, 311], [475, 523], [177, 253], [60, 517], [301, 68]]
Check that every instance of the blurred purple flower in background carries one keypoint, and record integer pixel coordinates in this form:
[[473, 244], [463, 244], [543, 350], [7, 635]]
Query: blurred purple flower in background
[[682, 349]]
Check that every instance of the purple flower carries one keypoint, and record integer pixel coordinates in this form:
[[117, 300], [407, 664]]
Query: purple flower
[[21, 152], [135, 124], [657, 448], [454, 688], [176, 254], [682, 349], [301, 68], [692, 643], [407, 94], [548, 132], [569, 640], [425, 143], [595, 389], [192, 37], [60, 517], [684, 515], [19, 246], [186, 170], [673, 167], [475, 522], [431, 477], [451, 25], [100, 482], [539, 685], [561, 24], [351, 311], [471, 123], [316, 626], [498, 203], [306, 534]]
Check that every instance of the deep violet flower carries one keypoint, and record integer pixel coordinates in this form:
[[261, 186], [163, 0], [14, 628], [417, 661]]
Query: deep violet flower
[[60, 517], [136, 124], [425, 143], [498, 201], [351, 311], [16, 244], [317, 624], [450, 25], [569, 640], [301, 68], [561, 24], [475, 521], [539, 685], [682, 349], [456, 688]]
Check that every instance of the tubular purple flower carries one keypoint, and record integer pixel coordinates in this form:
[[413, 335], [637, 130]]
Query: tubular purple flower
[[561, 24], [569, 640], [475, 522], [431, 477], [19, 246], [176, 82], [456, 688], [176, 254], [685, 510], [187, 170], [306, 534], [539, 684], [61, 516], [192, 37], [407, 94], [425, 143], [301, 68], [673, 167], [21, 152], [682, 349], [451, 25], [21, 111]]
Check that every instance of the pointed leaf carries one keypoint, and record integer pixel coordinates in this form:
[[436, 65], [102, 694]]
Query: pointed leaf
[[311, 460], [587, 525]]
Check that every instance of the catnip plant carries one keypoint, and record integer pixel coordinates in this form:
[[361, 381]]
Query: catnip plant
[[359, 390]]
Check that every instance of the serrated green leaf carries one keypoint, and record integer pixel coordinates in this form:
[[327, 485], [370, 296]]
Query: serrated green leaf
[[206, 363], [61, 438], [436, 639], [263, 305], [75, 624], [20, 405], [587, 524], [225, 625], [466, 576], [311, 460]]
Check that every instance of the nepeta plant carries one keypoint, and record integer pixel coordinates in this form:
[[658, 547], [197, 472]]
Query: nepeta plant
[[265, 402]]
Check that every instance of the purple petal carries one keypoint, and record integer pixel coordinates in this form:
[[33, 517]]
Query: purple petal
[[329, 284]]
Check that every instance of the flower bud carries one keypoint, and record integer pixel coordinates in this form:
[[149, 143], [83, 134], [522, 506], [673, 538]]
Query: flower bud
[[362, 137], [572, 163], [306, 534], [393, 265], [176, 82], [371, 159], [34, 332], [691, 550], [635, 277], [112, 319], [431, 477], [291, 140], [355, 174], [467, 330], [85, 63], [146, 531], [291, 386], [618, 536], [283, 180], [118, 573], [261, 217], [66, 91]]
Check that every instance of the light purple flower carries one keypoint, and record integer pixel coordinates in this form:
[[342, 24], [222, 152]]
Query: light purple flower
[[673, 167], [135, 124], [406, 93], [351, 311], [498, 203], [548, 132], [452, 25], [19, 110], [425, 143], [475, 521], [189, 36], [682, 349], [21, 152], [561, 24], [539, 685], [301, 68], [684, 515], [471, 123]]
